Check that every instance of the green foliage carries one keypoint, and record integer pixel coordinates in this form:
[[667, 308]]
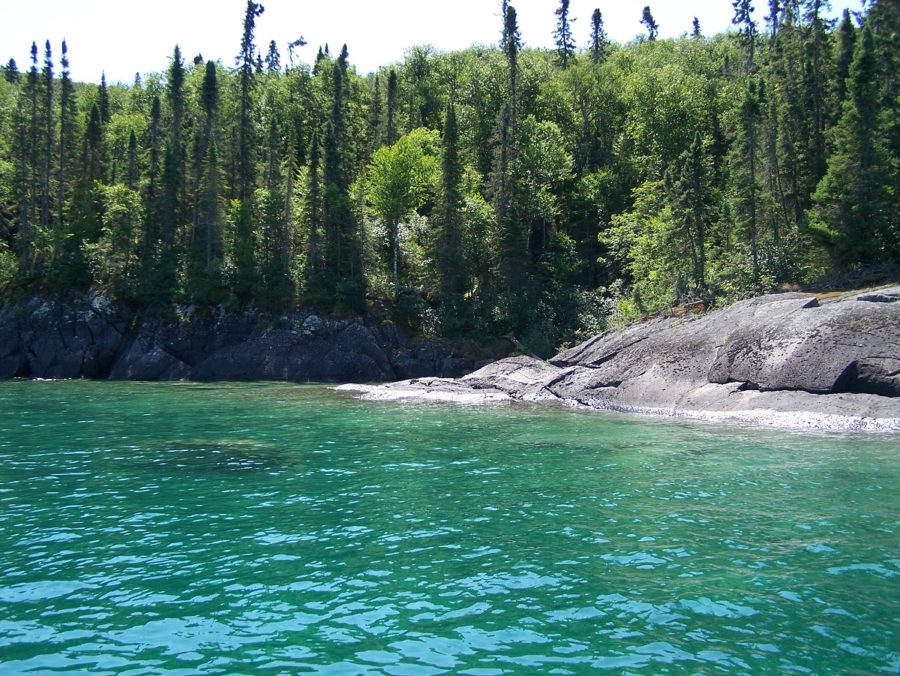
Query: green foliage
[[548, 193]]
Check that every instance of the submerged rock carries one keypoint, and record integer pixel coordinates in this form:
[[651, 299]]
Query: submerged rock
[[781, 360]]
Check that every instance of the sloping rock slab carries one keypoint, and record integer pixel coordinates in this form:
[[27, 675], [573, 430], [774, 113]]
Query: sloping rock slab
[[782, 360]]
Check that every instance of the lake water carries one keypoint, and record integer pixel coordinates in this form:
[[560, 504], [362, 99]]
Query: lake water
[[186, 528]]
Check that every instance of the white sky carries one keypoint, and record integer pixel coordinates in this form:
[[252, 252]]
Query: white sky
[[123, 37]]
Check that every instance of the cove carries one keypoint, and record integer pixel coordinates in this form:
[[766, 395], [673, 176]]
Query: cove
[[190, 528]]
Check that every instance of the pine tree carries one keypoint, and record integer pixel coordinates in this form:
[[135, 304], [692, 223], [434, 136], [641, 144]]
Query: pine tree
[[565, 43], [696, 33], [599, 41], [649, 23]]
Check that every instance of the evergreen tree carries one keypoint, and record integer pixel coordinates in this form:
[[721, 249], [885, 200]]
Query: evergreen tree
[[693, 200], [245, 64], [743, 19], [565, 43], [152, 200], [856, 202], [48, 145], [599, 41], [513, 238], [273, 59], [815, 86], [774, 18], [243, 241], [132, 173], [649, 23], [695, 30], [67, 119], [11, 72], [173, 165], [103, 100], [449, 245], [392, 94], [209, 100], [314, 215], [746, 176], [846, 40], [376, 112], [32, 88]]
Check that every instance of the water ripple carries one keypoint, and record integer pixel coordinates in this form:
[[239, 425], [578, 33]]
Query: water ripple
[[291, 529]]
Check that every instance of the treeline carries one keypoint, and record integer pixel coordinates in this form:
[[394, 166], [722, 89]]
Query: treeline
[[476, 192]]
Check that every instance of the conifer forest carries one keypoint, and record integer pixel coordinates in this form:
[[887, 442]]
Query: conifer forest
[[499, 189]]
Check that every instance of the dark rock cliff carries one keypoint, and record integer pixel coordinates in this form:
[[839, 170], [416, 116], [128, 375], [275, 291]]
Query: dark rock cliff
[[91, 337]]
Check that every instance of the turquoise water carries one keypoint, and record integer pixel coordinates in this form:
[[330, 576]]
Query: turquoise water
[[185, 528]]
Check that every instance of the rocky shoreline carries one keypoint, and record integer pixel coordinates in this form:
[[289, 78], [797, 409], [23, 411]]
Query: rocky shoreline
[[784, 360], [91, 337]]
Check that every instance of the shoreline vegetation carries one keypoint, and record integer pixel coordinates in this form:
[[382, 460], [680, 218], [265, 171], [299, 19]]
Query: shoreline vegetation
[[446, 211]]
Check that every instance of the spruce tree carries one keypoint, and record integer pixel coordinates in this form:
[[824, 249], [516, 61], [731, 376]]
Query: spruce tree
[[449, 250], [745, 171], [32, 89], [513, 244], [314, 214], [11, 72], [246, 139], [132, 173], [103, 100], [846, 40], [649, 23], [173, 166], [696, 33], [376, 112], [856, 201], [599, 41], [565, 43], [743, 19], [392, 95], [152, 200], [273, 59], [48, 145], [67, 118]]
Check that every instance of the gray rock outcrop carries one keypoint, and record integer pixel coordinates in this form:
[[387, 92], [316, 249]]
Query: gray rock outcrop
[[89, 337], [783, 360]]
